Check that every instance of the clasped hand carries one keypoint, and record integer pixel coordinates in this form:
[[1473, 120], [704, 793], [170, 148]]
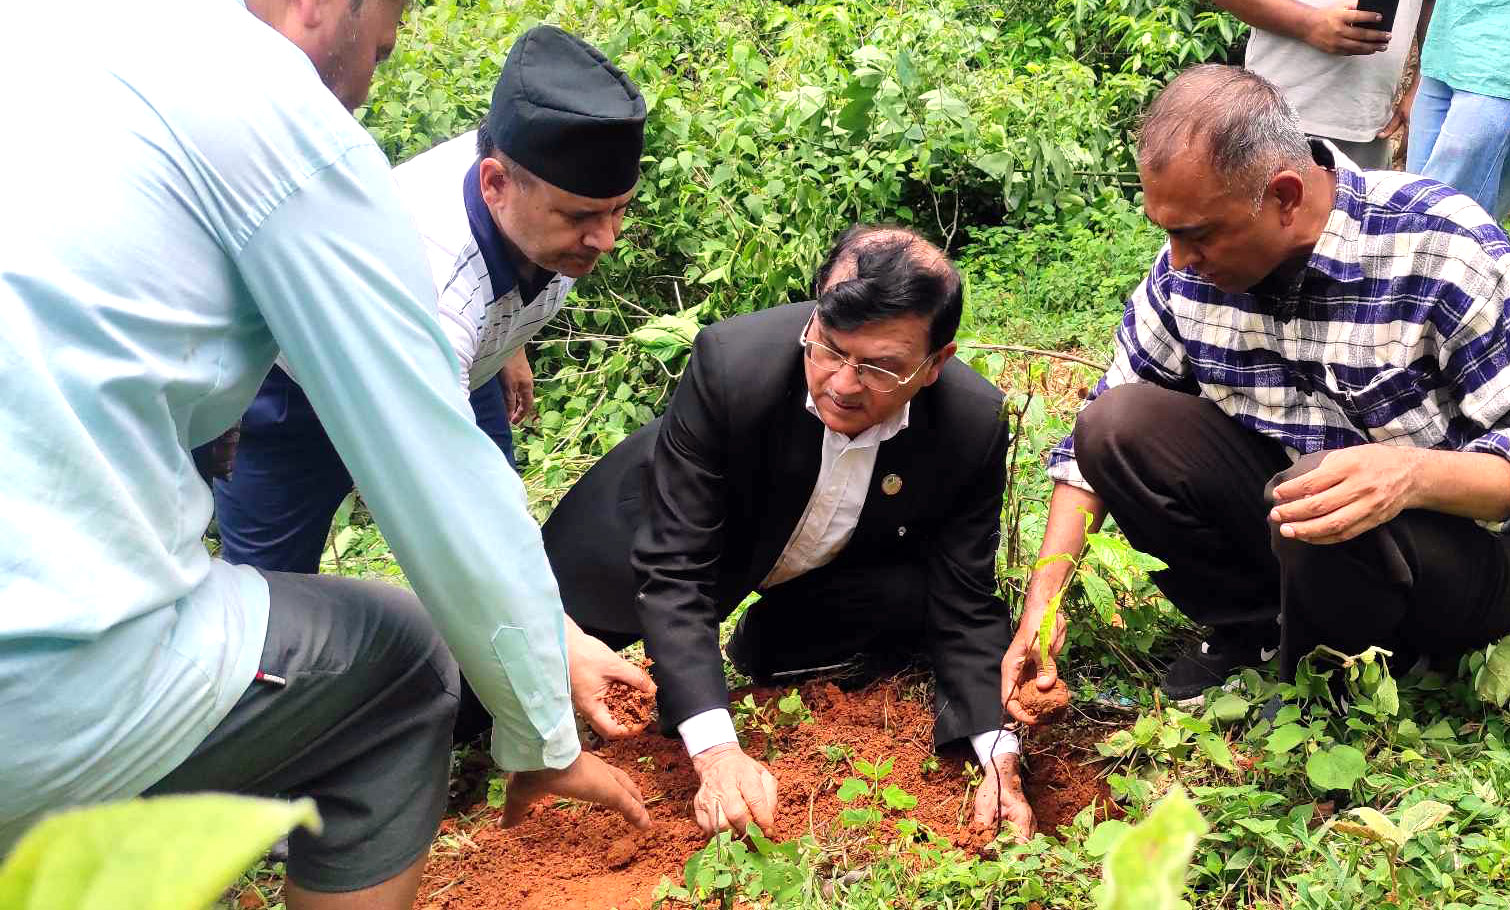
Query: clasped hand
[[1351, 492]]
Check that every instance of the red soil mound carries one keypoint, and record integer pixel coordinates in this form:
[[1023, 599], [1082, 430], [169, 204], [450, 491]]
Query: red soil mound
[[576, 856]]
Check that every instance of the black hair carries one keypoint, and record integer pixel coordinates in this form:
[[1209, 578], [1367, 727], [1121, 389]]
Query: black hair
[[890, 279]]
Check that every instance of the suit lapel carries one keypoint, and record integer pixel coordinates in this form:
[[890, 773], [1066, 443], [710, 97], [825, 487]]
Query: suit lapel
[[902, 483], [794, 453]]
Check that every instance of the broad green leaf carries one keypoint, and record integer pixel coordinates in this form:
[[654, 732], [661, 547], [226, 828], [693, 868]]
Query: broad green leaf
[[1117, 745], [1287, 737], [851, 788], [1106, 834], [897, 798], [996, 164], [1229, 708], [1337, 768], [1492, 682], [164, 853], [1372, 825], [1217, 750], [854, 117], [1145, 868], [1423, 816], [907, 74]]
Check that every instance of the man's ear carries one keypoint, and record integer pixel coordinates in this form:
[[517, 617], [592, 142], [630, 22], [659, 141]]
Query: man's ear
[[1288, 189], [942, 357], [495, 180]]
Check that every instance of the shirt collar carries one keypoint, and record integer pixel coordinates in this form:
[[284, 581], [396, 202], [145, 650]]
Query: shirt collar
[[489, 239], [874, 436], [1338, 253]]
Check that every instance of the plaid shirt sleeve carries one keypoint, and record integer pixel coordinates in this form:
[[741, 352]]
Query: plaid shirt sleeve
[[1148, 349], [1475, 361]]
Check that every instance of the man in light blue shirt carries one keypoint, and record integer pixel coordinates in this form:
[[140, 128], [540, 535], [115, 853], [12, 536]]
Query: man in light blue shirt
[[195, 201]]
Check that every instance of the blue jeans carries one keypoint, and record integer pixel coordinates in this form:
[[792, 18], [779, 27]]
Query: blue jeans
[[1461, 139], [287, 480]]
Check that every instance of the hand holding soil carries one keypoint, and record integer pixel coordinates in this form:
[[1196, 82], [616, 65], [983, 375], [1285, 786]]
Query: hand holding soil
[[1032, 694], [589, 778], [600, 678], [734, 789], [1006, 803], [1033, 705]]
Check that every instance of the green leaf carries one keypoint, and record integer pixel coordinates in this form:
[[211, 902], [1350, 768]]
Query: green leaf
[[1229, 708], [1373, 826], [1387, 696], [897, 798], [1492, 682], [1145, 868], [997, 164], [851, 788], [907, 74], [1106, 834], [1423, 816], [1337, 768], [1217, 750], [1287, 737], [166, 853], [854, 117]]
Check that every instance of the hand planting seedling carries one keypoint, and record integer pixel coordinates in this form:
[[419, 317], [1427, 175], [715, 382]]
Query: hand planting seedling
[[775, 720]]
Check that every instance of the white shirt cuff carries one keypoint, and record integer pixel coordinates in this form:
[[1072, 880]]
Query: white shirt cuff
[[701, 732], [984, 742]]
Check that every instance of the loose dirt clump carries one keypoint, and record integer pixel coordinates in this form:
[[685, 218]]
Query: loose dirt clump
[[571, 855], [621, 852], [1044, 707], [629, 706]]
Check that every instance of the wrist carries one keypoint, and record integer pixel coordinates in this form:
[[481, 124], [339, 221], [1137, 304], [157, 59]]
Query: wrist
[[1312, 25], [711, 756]]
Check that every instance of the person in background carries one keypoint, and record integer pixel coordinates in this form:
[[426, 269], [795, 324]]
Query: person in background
[[835, 458], [1307, 415], [1336, 67], [1460, 133], [511, 214], [226, 208]]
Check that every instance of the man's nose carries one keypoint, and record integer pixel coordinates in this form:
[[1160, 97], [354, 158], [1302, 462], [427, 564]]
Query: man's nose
[[846, 380], [601, 236], [1182, 255]]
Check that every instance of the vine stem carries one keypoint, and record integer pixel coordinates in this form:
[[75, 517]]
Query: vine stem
[[1019, 349]]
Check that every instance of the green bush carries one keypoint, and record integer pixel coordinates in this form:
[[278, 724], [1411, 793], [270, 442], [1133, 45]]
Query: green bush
[[771, 128]]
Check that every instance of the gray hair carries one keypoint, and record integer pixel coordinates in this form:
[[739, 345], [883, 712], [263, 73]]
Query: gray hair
[[1249, 130]]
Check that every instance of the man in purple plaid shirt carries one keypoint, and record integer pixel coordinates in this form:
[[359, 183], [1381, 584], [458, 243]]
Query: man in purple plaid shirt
[[1308, 414]]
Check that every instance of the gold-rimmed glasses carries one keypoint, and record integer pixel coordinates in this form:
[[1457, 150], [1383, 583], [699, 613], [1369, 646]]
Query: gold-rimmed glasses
[[872, 377]]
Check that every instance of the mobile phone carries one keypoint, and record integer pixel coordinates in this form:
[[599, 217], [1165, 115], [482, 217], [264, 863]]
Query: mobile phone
[[1386, 8]]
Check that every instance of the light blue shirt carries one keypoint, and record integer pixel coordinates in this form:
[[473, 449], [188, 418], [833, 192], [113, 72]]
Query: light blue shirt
[[1468, 46], [186, 199]]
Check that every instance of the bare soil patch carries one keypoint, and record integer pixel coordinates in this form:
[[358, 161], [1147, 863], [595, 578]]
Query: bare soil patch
[[569, 855]]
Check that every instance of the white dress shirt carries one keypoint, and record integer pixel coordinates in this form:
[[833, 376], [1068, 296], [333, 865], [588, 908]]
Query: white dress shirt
[[825, 528]]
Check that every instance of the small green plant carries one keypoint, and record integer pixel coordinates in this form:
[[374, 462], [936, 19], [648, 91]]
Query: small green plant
[[929, 766], [835, 756], [646, 762], [774, 720], [727, 870], [498, 790], [1372, 825], [865, 798]]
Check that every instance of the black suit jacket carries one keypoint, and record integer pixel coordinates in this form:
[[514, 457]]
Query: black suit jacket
[[685, 517]]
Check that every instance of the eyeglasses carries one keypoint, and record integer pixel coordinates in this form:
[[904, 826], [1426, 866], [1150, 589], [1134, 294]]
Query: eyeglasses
[[874, 378]]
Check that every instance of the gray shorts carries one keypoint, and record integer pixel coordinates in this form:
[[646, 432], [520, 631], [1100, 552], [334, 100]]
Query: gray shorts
[[363, 726]]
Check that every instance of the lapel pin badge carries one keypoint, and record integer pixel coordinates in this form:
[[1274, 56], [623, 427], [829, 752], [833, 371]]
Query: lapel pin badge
[[891, 485]]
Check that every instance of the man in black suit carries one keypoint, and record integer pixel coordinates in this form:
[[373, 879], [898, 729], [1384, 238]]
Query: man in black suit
[[835, 458]]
